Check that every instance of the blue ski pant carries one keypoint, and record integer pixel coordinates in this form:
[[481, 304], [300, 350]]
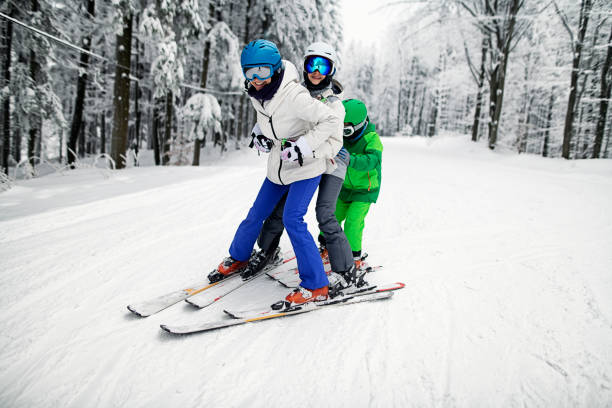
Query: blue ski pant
[[338, 247], [299, 195]]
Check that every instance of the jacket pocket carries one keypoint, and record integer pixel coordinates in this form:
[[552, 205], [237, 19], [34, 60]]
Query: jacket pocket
[[361, 180]]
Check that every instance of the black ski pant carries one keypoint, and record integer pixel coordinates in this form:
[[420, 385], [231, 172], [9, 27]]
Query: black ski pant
[[338, 247]]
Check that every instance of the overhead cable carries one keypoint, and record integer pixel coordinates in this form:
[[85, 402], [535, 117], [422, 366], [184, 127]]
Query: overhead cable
[[80, 49]]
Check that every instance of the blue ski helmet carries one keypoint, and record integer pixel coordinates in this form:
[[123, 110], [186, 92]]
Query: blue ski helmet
[[260, 53]]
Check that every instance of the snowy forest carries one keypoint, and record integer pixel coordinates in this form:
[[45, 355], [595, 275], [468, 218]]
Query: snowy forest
[[107, 80], [126, 172]]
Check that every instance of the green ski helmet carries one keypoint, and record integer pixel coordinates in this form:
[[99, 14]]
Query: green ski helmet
[[355, 119]]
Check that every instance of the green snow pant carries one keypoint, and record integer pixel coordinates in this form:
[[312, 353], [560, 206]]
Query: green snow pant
[[354, 213]]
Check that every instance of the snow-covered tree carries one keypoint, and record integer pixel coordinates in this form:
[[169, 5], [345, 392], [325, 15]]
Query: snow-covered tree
[[170, 24], [30, 87], [203, 115]]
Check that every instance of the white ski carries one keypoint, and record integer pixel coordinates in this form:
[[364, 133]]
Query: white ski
[[308, 307], [149, 307]]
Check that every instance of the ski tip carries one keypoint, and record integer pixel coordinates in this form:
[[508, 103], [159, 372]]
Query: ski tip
[[199, 304], [229, 313], [392, 287], [285, 284], [131, 309], [168, 329]]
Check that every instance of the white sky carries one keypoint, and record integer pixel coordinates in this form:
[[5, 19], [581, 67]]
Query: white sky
[[361, 23]]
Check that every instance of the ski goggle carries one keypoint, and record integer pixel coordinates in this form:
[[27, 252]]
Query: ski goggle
[[350, 129], [316, 63], [262, 72]]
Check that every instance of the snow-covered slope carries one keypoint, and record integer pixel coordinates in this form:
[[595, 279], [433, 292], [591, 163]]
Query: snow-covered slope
[[507, 261]]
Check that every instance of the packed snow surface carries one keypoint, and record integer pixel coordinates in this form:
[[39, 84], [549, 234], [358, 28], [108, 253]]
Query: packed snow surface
[[507, 262]]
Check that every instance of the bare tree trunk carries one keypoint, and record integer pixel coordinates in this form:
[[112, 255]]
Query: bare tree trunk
[[497, 98], [587, 132], [212, 16], [522, 146], [413, 103], [61, 144], [467, 109], [433, 114], [203, 81], [607, 137], [81, 140], [604, 97], [17, 138], [32, 144], [149, 119], [103, 132], [6, 111], [91, 136], [197, 146], [137, 99], [577, 55], [481, 79], [410, 96], [121, 93], [244, 106], [500, 29], [406, 108], [551, 105], [168, 128], [155, 132], [35, 121], [420, 122], [79, 102], [399, 102]]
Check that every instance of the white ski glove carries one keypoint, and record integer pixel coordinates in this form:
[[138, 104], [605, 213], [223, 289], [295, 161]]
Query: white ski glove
[[259, 141], [296, 151]]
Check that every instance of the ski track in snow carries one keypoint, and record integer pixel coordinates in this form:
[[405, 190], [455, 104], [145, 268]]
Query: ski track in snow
[[506, 260]]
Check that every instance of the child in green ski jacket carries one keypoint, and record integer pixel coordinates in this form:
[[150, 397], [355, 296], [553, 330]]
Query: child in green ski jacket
[[362, 182]]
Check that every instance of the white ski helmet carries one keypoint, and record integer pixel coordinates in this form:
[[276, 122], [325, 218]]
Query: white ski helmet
[[324, 50]]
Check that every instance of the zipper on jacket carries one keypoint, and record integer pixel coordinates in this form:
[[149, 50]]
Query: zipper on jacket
[[369, 182], [281, 160]]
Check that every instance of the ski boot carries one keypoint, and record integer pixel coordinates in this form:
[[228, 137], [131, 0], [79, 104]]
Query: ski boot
[[226, 268], [324, 254], [352, 279], [359, 259], [323, 248], [301, 295], [258, 261]]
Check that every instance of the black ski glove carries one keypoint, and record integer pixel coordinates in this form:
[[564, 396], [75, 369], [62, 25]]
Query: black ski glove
[[259, 141]]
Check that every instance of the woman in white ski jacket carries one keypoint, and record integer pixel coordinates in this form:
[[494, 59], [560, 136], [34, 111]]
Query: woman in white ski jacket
[[320, 64], [297, 129], [293, 116]]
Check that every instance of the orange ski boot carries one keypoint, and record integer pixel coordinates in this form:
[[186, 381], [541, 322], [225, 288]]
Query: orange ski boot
[[226, 268], [302, 295], [324, 255]]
